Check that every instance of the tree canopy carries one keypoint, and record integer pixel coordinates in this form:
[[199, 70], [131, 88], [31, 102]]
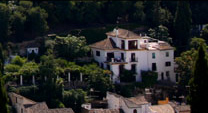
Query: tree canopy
[[198, 82]]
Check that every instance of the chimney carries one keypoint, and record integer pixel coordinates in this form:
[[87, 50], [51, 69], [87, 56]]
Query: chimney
[[116, 31]]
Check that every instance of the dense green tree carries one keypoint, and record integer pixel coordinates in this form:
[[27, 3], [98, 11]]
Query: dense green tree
[[28, 70], [199, 12], [74, 99], [204, 33], [4, 22], [198, 83], [55, 86], [196, 42], [185, 62], [127, 76], [70, 47], [1, 59], [160, 32], [98, 79], [155, 14], [138, 15], [18, 20], [47, 67], [36, 21], [26, 4], [114, 10], [18, 61], [149, 78], [3, 94], [182, 25], [91, 11], [3, 97]]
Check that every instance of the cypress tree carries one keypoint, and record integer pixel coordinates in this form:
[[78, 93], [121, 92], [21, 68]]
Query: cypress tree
[[3, 94], [198, 83], [182, 25]]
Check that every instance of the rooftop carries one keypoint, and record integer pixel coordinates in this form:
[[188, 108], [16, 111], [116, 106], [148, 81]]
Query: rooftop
[[104, 111], [105, 44], [123, 33], [132, 102], [166, 108], [38, 107], [109, 44]]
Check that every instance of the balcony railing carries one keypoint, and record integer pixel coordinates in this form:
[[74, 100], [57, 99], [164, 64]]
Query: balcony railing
[[116, 60], [133, 59]]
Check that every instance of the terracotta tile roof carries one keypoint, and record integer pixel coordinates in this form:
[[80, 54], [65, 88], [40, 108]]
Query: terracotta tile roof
[[107, 43], [138, 100], [36, 108], [183, 109], [43, 108], [104, 111], [30, 44], [123, 33], [135, 102], [164, 45], [166, 108]]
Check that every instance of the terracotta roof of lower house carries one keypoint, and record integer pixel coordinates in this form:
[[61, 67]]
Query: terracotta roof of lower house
[[104, 111], [38, 107], [138, 100], [43, 108], [107, 43], [166, 108], [183, 109], [133, 102]]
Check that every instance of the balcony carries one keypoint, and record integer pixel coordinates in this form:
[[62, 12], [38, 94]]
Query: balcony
[[116, 60], [133, 59]]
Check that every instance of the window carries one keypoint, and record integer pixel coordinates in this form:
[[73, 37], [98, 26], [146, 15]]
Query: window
[[153, 55], [133, 68], [135, 111], [168, 75], [167, 64], [167, 54], [133, 44], [176, 77], [154, 67], [102, 65], [97, 53], [122, 56], [121, 68], [122, 44], [16, 99], [108, 67], [162, 76], [133, 58]]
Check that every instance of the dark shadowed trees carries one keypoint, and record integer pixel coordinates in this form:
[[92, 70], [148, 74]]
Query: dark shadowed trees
[[182, 25], [4, 22], [198, 83]]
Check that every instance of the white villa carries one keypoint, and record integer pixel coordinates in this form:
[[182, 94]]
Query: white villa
[[136, 104], [124, 49]]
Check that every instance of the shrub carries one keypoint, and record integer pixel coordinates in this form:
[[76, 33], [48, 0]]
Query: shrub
[[149, 78]]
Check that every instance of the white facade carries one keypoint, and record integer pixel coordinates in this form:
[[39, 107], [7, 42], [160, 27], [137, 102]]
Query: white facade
[[145, 55], [137, 106], [32, 49]]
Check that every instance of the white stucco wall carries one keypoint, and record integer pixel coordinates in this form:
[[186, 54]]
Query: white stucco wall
[[113, 102], [144, 57]]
